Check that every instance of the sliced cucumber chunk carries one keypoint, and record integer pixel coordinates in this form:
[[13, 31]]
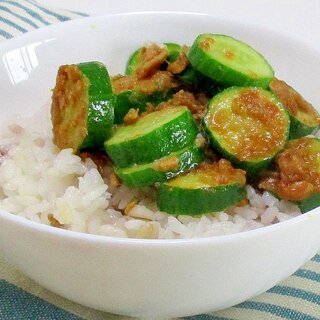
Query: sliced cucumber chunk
[[304, 117], [208, 188], [131, 92], [152, 137], [82, 108], [135, 99], [297, 174], [248, 126], [133, 62], [310, 202], [136, 58], [147, 60], [299, 166], [199, 82], [162, 169], [229, 61], [174, 50]]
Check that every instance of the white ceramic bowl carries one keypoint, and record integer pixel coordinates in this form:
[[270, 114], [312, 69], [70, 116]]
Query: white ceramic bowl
[[164, 278]]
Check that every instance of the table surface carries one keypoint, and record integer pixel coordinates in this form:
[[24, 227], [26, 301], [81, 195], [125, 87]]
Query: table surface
[[297, 297]]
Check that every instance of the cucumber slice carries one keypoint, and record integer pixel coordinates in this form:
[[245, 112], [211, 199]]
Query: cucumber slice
[[304, 117], [135, 99], [82, 108], [133, 62], [206, 189], [147, 60], [162, 169], [229, 61], [131, 92], [299, 166], [135, 58], [174, 50], [309, 203], [199, 82], [248, 126], [152, 137], [297, 175]]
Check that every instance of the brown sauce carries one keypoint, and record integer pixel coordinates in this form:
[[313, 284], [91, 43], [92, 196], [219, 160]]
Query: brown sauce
[[206, 43], [151, 58], [159, 81], [69, 107], [169, 163], [293, 101], [221, 173], [253, 128], [197, 105], [180, 63]]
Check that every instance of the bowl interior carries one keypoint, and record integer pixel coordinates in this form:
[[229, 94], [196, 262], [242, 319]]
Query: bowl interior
[[29, 63]]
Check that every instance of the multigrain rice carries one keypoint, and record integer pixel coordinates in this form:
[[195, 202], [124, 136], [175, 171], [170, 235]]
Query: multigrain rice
[[55, 187]]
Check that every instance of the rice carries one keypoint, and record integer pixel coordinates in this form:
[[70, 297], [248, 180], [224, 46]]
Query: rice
[[55, 187]]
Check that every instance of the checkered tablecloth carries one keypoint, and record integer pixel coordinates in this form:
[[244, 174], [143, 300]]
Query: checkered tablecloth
[[296, 298]]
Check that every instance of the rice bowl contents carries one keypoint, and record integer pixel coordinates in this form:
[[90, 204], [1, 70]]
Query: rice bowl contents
[[152, 140], [55, 187]]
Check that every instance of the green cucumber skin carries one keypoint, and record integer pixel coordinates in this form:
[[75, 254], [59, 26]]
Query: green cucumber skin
[[313, 201], [253, 168], [309, 203], [172, 136], [199, 81], [188, 159], [126, 100], [132, 63], [101, 105], [97, 74], [221, 73], [100, 122], [299, 129], [174, 51], [179, 201]]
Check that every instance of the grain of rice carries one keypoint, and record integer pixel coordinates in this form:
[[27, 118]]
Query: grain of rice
[[111, 231], [269, 215]]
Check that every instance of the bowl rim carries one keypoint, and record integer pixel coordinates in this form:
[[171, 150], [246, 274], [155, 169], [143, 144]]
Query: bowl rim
[[219, 18], [77, 235]]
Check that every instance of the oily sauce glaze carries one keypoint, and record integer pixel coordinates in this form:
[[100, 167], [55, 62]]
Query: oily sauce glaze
[[69, 107], [252, 127]]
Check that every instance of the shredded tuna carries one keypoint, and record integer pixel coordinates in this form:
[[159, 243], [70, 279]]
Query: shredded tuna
[[130, 206], [269, 181], [292, 100], [160, 81], [296, 177], [114, 180], [200, 142], [180, 63], [170, 163], [131, 117], [54, 222], [152, 57], [188, 99], [100, 159]]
